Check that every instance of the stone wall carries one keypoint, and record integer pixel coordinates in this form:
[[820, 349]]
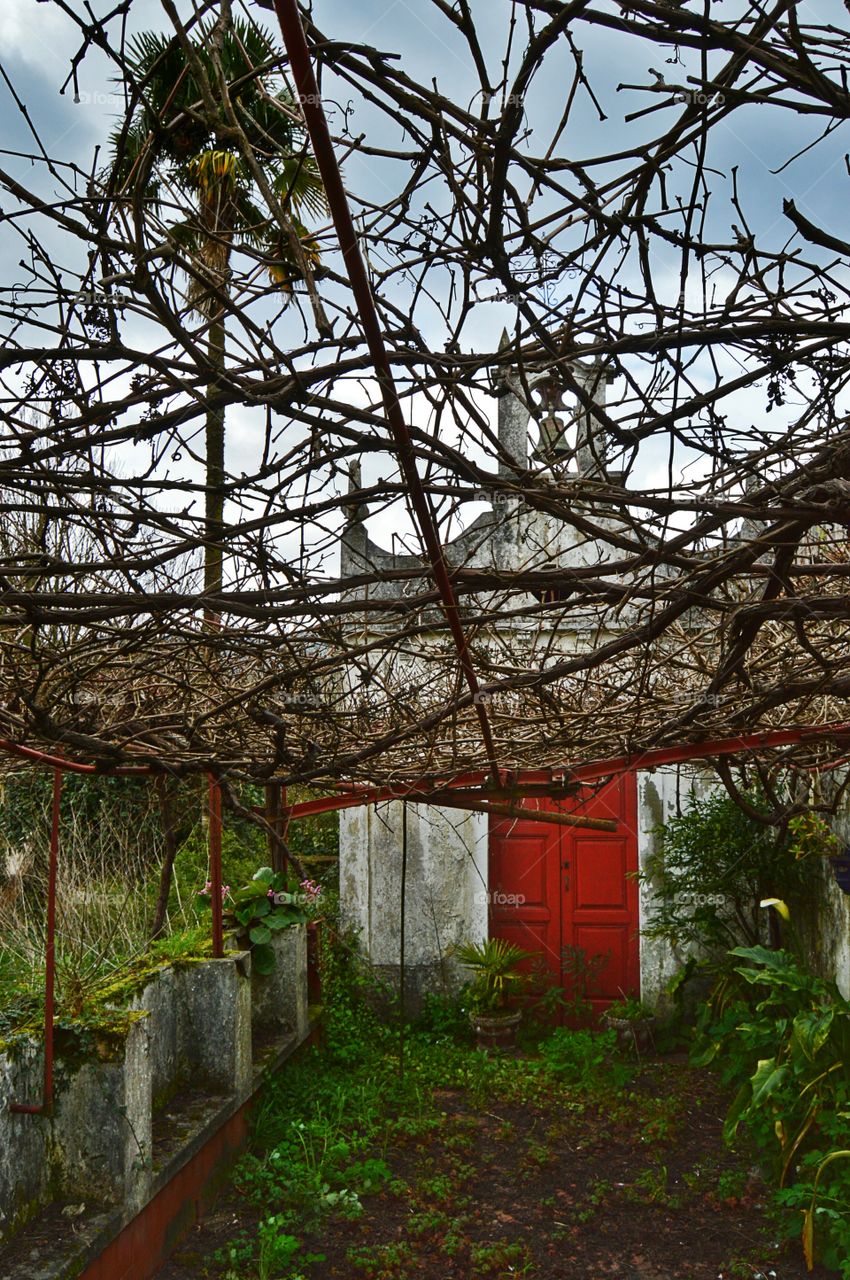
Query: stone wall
[[191, 1027], [446, 893], [663, 794]]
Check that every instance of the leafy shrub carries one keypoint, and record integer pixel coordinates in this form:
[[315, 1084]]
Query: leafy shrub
[[782, 1036], [350, 994], [567, 994], [444, 1016], [713, 866], [583, 1057], [496, 972], [262, 907]]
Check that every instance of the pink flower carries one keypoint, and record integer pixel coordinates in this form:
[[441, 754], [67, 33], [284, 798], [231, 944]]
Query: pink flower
[[207, 890]]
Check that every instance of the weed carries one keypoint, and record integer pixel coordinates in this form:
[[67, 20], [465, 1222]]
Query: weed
[[598, 1192], [499, 1258], [384, 1261]]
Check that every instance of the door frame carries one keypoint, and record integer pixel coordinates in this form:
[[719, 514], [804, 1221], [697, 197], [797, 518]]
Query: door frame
[[505, 919]]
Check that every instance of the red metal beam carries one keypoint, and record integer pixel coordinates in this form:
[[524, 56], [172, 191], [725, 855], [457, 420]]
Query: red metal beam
[[763, 741], [320, 138], [429, 787], [70, 766]]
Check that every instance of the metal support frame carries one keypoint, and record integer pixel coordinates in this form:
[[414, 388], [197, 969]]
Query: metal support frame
[[276, 815], [470, 790]]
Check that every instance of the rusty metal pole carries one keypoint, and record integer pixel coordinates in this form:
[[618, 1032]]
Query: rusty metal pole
[[214, 845], [45, 1107]]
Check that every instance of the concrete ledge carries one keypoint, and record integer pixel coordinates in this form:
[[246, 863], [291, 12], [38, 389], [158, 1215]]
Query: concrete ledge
[[100, 1149], [128, 1245]]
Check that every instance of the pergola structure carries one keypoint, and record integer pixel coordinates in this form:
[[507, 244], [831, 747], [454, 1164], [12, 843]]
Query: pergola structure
[[115, 660]]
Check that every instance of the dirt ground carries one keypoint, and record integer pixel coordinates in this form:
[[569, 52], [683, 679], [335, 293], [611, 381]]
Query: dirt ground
[[641, 1189]]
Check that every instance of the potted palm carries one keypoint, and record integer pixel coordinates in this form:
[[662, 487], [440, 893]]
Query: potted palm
[[497, 976]]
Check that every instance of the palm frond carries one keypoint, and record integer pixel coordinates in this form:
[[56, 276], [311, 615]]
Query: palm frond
[[299, 186]]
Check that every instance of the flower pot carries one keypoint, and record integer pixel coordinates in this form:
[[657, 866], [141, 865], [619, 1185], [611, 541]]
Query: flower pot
[[495, 1030], [631, 1033]]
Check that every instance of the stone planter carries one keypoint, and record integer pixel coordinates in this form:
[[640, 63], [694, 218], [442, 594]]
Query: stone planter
[[279, 998], [109, 1137], [632, 1033], [495, 1030]]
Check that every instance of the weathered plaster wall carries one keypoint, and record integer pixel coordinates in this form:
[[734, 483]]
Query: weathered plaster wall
[[662, 794], [96, 1144], [823, 922], [446, 892]]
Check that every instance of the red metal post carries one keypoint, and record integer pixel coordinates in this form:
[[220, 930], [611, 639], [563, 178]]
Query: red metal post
[[46, 1105], [214, 845]]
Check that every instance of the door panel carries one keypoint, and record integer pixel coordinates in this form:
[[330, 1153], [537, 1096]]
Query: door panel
[[554, 887], [524, 886]]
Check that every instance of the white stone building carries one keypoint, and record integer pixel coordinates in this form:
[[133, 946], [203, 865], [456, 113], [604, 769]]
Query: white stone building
[[544, 886]]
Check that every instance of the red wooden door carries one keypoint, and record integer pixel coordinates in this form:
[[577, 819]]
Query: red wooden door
[[553, 888]]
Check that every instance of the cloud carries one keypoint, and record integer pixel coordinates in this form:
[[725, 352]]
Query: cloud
[[37, 34]]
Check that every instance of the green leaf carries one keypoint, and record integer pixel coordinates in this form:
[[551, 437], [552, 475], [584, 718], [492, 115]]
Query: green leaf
[[279, 920], [740, 1104], [265, 875], [767, 1079], [262, 960], [708, 1054], [247, 893], [811, 1030], [259, 934], [262, 907], [763, 955]]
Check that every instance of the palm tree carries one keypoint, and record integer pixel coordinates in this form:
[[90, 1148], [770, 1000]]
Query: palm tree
[[245, 176]]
